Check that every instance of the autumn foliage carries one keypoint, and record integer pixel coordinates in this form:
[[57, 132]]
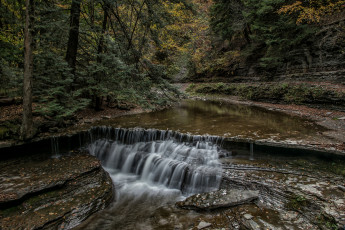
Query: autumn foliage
[[311, 11]]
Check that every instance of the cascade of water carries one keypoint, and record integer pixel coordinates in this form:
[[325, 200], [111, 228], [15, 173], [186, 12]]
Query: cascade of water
[[131, 136], [55, 147], [176, 161]]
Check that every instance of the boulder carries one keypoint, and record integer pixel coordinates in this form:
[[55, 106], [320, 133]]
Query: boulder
[[219, 199]]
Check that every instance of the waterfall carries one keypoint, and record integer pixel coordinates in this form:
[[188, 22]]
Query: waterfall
[[55, 147], [162, 158]]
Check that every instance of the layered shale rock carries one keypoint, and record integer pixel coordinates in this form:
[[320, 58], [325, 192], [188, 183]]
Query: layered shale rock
[[46, 193], [219, 199]]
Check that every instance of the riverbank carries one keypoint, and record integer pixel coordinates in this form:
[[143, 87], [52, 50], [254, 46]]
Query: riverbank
[[332, 120]]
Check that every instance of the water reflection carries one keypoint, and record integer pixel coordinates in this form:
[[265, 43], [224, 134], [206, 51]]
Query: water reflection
[[223, 119]]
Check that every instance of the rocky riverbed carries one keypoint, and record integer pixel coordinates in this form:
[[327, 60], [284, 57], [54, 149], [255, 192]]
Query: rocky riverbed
[[40, 192], [274, 194], [292, 194], [258, 191]]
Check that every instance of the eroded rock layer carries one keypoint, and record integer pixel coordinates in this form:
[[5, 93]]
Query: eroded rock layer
[[48, 193]]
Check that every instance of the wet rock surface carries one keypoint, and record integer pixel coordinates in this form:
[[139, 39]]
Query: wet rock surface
[[294, 194], [46, 193], [219, 199]]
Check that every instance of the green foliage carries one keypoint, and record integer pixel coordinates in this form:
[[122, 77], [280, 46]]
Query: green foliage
[[311, 11], [297, 202], [259, 32], [226, 18], [278, 34], [11, 46], [53, 87], [10, 79], [327, 221]]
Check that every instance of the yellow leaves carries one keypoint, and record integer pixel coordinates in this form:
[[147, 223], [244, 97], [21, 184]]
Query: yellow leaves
[[289, 9], [313, 11], [309, 15], [14, 7], [177, 10], [62, 6]]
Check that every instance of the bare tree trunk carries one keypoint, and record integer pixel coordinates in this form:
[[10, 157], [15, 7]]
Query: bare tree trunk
[[72, 46], [27, 125]]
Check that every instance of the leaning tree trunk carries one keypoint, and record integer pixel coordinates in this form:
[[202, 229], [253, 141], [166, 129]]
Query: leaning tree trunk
[[72, 46], [27, 125]]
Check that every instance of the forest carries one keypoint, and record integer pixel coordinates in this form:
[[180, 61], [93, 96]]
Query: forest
[[79, 53]]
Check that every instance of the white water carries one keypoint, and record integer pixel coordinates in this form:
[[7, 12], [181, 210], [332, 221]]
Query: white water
[[152, 170], [164, 164], [55, 147]]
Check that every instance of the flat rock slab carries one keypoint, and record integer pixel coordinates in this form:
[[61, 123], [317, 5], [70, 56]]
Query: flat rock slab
[[52, 193], [203, 224], [219, 199]]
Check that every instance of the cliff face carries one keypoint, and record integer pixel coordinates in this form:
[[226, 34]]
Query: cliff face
[[324, 59]]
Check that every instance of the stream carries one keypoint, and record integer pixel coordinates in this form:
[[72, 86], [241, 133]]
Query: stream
[[152, 169], [223, 119]]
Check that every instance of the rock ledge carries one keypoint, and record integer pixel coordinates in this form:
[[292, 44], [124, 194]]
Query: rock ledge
[[219, 199], [47, 193]]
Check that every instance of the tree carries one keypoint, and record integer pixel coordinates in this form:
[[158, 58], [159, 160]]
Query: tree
[[100, 49], [227, 19], [72, 46], [27, 131]]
